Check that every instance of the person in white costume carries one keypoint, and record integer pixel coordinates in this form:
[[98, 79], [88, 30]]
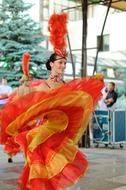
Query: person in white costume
[[5, 91]]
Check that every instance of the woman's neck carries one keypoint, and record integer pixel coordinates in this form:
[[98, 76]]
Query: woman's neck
[[55, 77]]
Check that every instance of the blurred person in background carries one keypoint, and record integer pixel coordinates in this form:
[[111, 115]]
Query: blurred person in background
[[110, 95], [5, 91]]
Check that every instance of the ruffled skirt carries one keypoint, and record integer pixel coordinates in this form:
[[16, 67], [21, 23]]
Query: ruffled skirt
[[47, 127]]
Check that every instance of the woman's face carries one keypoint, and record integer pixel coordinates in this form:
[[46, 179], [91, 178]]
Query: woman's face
[[58, 66]]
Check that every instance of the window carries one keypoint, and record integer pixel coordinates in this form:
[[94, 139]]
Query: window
[[103, 42], [73, 7], [45, 3], [45, 13], [44, 10]]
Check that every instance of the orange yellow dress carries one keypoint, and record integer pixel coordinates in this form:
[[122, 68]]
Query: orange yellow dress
[[47, 126]]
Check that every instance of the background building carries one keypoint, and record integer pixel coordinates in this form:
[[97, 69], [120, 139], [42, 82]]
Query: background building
[[113, 49]]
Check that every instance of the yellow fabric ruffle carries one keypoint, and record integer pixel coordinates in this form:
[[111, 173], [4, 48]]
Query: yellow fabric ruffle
[[56, 164], [57, 121], [69, 99]]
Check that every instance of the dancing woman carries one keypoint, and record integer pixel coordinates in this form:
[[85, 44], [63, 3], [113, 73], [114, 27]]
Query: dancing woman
[[48, 121]]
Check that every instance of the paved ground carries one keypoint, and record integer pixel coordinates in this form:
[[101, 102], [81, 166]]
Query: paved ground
[[107, 170]]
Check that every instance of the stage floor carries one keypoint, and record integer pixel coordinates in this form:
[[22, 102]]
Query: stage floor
[[107, 170]]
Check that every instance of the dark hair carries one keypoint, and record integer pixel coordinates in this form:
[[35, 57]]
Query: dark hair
[[112, 83], [51, 59], [4, 77]]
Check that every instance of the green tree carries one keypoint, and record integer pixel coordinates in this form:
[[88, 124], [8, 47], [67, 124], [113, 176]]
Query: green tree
[[19, 34]]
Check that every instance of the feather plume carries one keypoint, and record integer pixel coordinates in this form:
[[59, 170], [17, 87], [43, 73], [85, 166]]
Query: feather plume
[[57, 27], [25, 63]]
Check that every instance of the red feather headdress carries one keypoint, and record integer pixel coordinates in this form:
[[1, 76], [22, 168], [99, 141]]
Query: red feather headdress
[[25, 64], [57, 27]]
